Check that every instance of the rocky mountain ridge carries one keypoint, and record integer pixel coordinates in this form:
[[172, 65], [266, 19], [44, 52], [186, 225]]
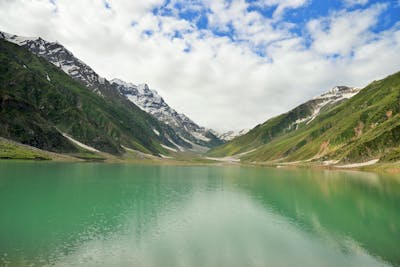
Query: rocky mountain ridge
[[321, 102], [187, 135], [151, 102]]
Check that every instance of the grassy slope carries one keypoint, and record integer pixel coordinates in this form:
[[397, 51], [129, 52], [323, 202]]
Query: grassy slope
[[12, 150], [359, 129], [269, 130], [34, 109]]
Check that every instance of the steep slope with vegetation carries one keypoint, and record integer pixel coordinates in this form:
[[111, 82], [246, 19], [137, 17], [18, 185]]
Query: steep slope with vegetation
[[39, 102], [365, 127], [183, 133], [285, 123]]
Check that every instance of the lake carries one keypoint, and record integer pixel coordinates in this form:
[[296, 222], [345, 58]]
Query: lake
[[93, 214]]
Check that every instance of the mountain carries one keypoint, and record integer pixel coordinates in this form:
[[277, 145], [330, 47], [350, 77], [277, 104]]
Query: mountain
[[187, 134], [363, 128], [61, 57], [43, 107], [229, 135], [151, 102], [285, 123]]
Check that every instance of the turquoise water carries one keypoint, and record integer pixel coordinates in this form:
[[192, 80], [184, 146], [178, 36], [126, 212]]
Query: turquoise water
[[88, 214]]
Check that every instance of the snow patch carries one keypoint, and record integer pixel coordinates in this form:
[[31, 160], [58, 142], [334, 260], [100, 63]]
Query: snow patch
[[361, 164], [101, 80], [79, 143], [139, 152], [156, 132], [329, 162], [232, 159], [245, 153], [169, 148], [316, 112], [165, 157], [195, 147], [68, 69], [225, 159], [176, 145], [200, 136]]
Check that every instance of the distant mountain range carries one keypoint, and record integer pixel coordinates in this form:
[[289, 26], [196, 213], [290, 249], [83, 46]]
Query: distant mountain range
[[188, 135], [342, 125]]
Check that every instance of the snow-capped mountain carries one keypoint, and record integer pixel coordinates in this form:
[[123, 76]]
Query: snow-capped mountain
[[187, 133], [61, 57], [229, 135], [324, 101], [339, 93], [151, 102]]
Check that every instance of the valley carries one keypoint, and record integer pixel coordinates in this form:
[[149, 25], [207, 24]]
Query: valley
[[54, 106]]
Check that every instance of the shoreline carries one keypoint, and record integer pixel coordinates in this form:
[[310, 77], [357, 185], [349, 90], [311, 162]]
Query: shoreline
[[11, 150], [372, 166]]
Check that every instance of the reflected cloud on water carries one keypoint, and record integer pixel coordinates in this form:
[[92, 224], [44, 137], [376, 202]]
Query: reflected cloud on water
[[228, 229]]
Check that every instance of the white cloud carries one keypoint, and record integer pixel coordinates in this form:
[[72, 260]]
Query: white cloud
[[351, 3], [218, 82], [282, 5], [342, 32], [249, 26]]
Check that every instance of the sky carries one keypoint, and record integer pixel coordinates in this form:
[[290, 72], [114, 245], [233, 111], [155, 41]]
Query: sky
[[227, 64]]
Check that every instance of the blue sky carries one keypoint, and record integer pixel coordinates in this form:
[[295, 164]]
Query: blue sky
[[197, 13], [299, 16], [227, 64]]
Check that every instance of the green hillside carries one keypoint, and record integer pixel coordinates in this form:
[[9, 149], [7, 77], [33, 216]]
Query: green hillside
[[38, 102], [261, 134], [365, 127]]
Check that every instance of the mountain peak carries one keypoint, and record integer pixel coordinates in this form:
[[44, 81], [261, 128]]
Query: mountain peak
[[144, 86], [121, 82], [339, 92], [151, 102], [61, 57], [144, 89]]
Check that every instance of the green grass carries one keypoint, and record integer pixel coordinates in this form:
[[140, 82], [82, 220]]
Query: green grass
[[392, 156], [13, 151]]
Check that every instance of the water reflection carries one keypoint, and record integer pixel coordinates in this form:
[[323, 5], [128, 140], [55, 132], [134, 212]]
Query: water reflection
[[124, 215], [216, 229], [362, 207]]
